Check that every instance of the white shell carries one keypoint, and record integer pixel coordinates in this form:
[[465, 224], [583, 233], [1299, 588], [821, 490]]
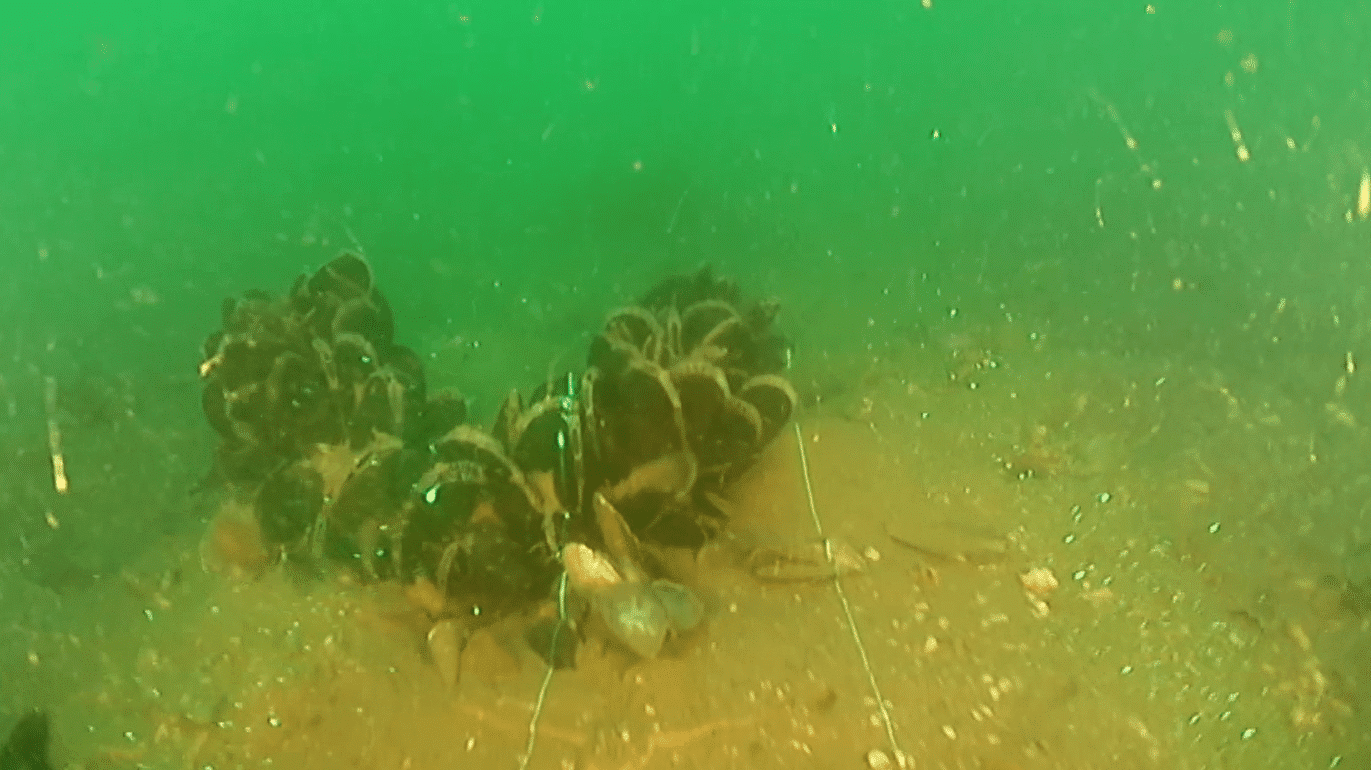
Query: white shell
[[1039, 581], [588, 570], [684, 610], [635, 617]]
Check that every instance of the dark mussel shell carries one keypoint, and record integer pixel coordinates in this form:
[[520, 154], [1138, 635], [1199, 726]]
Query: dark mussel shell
[[484, 564], [611, 353], [243, 463], [380, 408], [216, 411], [346, 276], [475, 457], [299, 402], [640, 416], [409, 370], [243, 361], [549, 444], [707, 322], [635, 326], [445, 411], [492, 562], [249, 415], [467, 537], [469, 456], [507, 420], [655, 503], [774, 399], [704, 395], [687, 290], [289, 502], [368, 319], [732, 441], [545, 442], [355, 359], [375, 491], [254, 314]]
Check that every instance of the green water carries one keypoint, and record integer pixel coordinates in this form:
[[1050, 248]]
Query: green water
[[513, 170], [811, 148]]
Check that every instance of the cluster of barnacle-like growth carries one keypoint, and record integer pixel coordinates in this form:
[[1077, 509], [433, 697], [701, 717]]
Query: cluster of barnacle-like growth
[[326, 425]]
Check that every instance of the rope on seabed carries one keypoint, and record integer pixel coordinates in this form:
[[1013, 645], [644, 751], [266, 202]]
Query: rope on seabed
[[886, 720], [900, 755], [547, 675]]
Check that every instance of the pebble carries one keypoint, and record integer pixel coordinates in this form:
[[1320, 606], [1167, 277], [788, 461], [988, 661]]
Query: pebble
[[878, 760]]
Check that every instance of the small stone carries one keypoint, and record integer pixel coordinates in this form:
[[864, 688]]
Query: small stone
[[588, 570], [878, 760], [1039, 581]]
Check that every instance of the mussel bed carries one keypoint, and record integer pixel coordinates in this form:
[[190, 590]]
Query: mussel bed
[[328, 431]]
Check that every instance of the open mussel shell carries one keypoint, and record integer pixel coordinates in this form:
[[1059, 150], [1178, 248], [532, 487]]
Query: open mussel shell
[[641, 615], [470, 456], [706, 321], [704, 402], [774, 399], [300, 406], [380, 408], [636, 326], [288, 503], [249, 415], [484, 563], [256, 313], [736, 434], [476, 457], [651, 488], [436, 514], [346, 276], [634, 616], [613, 354], [684, 609], [496, 563], [365, 318], [702, 390]]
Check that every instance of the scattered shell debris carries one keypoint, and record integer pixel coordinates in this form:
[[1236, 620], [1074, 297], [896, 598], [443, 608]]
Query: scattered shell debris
[[1039, 581]]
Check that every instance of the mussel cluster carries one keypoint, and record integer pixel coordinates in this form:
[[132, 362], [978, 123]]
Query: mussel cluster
[[327, 428]]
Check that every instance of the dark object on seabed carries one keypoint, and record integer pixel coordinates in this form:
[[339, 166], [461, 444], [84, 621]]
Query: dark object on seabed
[[27, 747], [327, 428]]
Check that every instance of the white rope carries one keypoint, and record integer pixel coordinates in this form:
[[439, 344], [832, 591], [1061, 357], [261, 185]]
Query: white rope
[[900, 756], [547, 675]]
